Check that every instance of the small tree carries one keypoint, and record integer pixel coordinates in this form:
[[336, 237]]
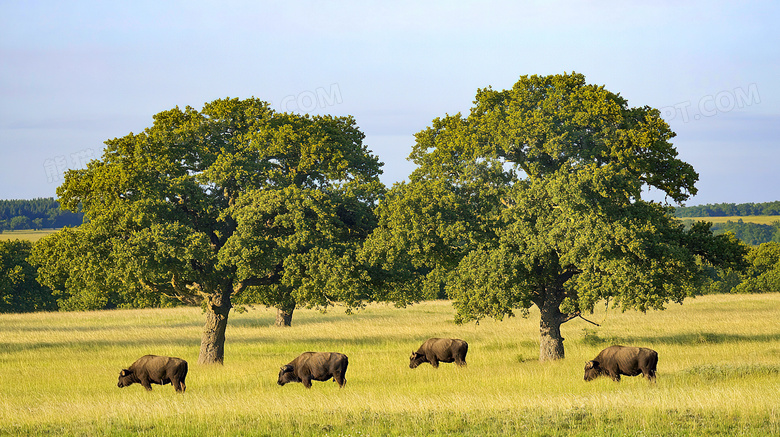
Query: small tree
[[207, 205], [535, 199], [19, 291], [763, 272]]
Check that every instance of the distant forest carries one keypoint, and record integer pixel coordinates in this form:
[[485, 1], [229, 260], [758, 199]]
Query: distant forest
[[36, 214], [729, 209], [46, 213], [750, 233]]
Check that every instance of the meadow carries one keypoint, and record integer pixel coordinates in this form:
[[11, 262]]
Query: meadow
[[29, 234], [758, 219], [718, 374]]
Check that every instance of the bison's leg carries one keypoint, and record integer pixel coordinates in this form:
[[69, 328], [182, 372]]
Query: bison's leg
[[434, 361], [178, 385], [306, 380]]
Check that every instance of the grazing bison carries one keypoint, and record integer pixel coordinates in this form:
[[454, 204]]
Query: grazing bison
[[317, 366], [152, 369], [435, 350], [622, 360]]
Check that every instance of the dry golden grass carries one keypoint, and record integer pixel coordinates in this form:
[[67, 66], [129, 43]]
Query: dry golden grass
[[760, 219], [31, 235], [718, 373]]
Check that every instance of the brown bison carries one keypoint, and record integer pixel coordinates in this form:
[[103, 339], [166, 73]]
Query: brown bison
[[152, 369], [623, 360], [317, 366], [435, 350]]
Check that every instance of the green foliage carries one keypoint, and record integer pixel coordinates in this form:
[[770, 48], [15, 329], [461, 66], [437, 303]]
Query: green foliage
[[751, 233], [720, 280], [36, 214], [19, 292], [535, 199], [763, 274], [84, 272], [729, 209], [233, 196], [206, 204]]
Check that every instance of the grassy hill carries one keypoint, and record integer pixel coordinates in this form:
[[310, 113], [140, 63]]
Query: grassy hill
[[718, 374]]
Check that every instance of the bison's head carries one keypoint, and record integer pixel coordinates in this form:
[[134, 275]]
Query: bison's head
[[287, 374], [416, 359], [592, 370], [125, 378]]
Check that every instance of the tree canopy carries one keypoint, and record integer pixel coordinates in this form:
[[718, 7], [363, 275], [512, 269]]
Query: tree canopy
[[19, 291], [233, 202], [535, 199], [763, 273]]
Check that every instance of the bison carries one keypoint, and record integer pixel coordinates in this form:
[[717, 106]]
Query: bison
[[435, 350], [317, 366], [623, 360], [153, 369]]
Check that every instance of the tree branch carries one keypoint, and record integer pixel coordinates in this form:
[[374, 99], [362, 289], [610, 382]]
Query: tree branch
[[271, 278], [566, 275], [576, 314]]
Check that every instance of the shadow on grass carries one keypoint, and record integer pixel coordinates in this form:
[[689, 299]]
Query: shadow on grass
[[270, 343], [684, 339]]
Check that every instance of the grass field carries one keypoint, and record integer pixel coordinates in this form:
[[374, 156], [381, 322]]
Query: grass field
[[718, 374], [760, 219], [29, 234]]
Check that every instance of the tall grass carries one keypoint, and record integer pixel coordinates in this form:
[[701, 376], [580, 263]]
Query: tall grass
[[718, 374]]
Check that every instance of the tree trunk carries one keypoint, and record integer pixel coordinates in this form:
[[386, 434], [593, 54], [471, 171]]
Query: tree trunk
[[284, 315], [551, 341], [212, 343]]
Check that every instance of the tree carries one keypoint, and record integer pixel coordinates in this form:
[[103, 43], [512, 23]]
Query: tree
[[207, 205], [19, 292], [535, 199], [19, 223], [763, 273]]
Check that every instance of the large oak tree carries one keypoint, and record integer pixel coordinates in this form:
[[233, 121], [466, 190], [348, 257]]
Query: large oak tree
[[536, 199], [235, 201]]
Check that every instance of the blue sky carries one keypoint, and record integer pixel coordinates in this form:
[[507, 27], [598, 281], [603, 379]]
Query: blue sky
[[74, 74]]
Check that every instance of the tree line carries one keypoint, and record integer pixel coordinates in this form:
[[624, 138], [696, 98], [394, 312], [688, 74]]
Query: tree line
[[729, 209], [750, 233], [36, 214], [532, 199]]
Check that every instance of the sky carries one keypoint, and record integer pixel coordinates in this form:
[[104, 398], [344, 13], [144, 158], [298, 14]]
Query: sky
[[75, 74]]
